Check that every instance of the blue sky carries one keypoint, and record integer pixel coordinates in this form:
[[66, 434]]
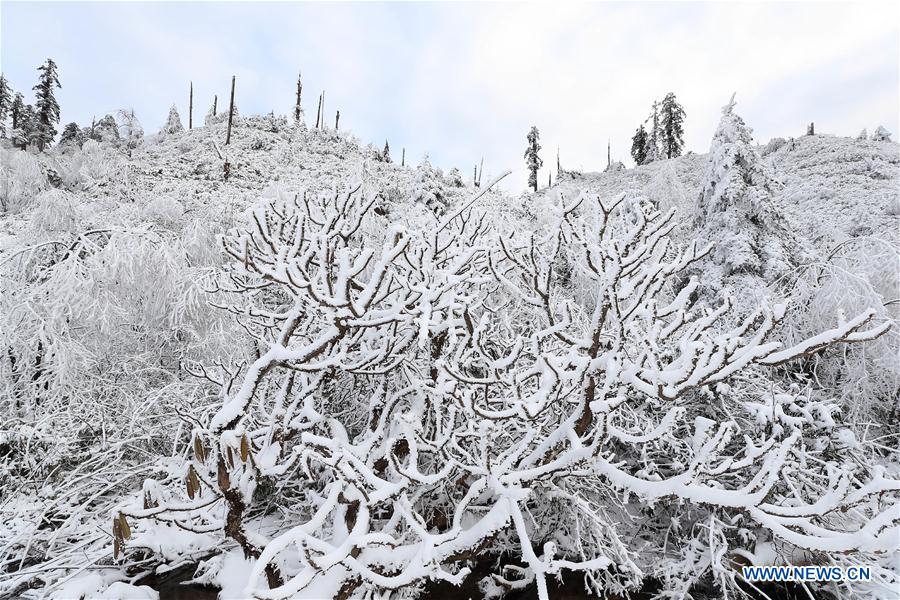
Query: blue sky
[[462, 81]]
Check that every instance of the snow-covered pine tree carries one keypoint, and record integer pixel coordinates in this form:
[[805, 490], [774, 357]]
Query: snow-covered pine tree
[[881, 134], [105, 130], [672, 126], [5, 103], [15, 110], [386, 153], [652, 152], [532, 160], [735, 205], [46, 106], [863, 135], [72, 136], [173, 122], [25, 131], [639, 145]]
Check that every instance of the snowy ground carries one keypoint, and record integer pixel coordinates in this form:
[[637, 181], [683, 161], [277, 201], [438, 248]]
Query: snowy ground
[[118, 303]]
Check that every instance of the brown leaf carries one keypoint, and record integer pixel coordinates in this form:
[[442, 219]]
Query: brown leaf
[[245, 448]]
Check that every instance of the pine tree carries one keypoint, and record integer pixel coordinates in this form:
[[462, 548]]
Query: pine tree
[[46, 107], [173, 122], [639, 145], [532, 160], [27, 131], [736, 209], [652, 148], [105, 130], [672, 123], [15, 111], [386, 154], [5, 103], [72, 136]]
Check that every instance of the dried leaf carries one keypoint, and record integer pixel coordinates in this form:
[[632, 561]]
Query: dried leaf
[[245, 448], [124, 527], [199, 450]]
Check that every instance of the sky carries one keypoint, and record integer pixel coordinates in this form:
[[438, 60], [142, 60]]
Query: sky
[[462, 81]]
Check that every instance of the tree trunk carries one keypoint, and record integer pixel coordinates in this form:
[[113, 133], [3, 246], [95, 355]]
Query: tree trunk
[[297, 106], [319, 112], [215, 101], [337, 120], [191, 108], [403, 158], [230, 113]]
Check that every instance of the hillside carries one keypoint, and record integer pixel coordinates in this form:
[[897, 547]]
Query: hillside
[[141, 287]]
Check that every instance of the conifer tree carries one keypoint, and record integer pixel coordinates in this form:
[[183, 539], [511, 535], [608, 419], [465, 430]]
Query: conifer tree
[[672, 126], [639, 145], [386, 154], [532, 160], [652, 148], [736, 208], [15, 111], [46, 106], [5, 103], [173, 122], [71, 136], [26, 131]]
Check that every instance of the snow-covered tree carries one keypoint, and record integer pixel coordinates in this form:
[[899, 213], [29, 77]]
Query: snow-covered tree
[[27, 130], [15, 109], [863, 135], [130, 129], [672, 126], [72, 136], [533, 162], [173, 122], [411, 425], [881, 134], [735, 205], [639, 145], [386, 153], [46, 106], [105, 130], [652, 150], [5, 103]]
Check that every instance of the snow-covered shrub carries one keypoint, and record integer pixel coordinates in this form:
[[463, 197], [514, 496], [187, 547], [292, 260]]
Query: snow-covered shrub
[[21, 179], [164, 210], [428, 188], [99, 164], [429, 395], [881, 134], [863, 135], [773, 145]]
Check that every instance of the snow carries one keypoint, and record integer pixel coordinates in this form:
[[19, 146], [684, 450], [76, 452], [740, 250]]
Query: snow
[[387, 371]]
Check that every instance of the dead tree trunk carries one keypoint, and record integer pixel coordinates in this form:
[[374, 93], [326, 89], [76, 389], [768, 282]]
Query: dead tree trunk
[[191, 108], [215, 101], [323, 110], [297, 109], [337, 120], [480, 171], [319, 112], [475, 176], [403, 158], [230, 115]]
